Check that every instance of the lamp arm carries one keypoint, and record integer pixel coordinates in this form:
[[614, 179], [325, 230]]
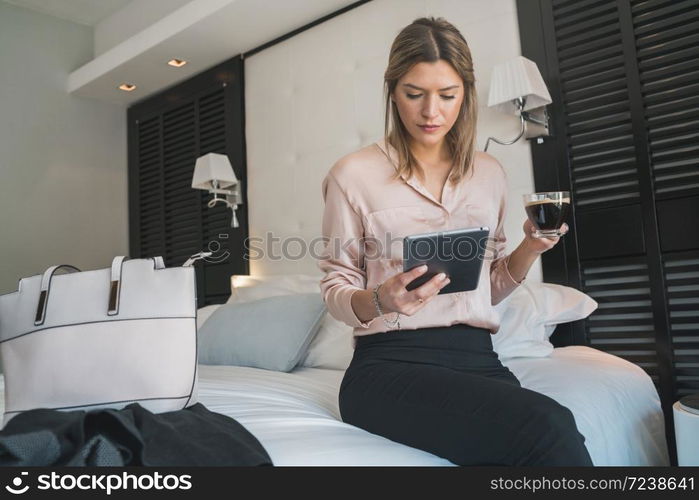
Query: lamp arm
[[521, 133], [232, 206], [213, 202]]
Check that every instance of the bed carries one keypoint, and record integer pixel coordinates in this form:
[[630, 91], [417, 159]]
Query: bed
[[295, 415], [296, 418]]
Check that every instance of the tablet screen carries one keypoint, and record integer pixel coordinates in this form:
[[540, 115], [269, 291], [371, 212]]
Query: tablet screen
[[458, 253]]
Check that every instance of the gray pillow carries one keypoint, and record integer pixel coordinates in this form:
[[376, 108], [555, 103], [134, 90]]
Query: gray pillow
[[271, 333]]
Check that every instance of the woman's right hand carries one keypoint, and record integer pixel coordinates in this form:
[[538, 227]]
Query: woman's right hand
[[394, 297]]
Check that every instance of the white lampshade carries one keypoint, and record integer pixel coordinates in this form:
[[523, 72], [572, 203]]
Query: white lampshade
[[518, 77], [210, 167]]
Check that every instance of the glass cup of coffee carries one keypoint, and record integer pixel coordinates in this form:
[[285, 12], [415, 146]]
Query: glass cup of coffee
[[547, 212]]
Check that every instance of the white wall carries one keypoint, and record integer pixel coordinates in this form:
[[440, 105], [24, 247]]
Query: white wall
[[319, 95], [63, 181]]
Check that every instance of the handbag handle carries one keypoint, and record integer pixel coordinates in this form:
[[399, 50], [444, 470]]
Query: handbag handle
[[44, 292], [113, 308], [115, 283]]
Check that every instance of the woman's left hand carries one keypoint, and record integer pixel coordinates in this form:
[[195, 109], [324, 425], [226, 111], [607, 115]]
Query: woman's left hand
[[540, 245]]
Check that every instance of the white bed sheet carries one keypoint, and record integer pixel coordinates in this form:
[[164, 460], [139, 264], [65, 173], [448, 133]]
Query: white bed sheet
[[296, 418], [615, 404]]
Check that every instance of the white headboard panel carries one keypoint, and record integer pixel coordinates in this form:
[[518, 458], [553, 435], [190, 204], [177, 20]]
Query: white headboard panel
[[318, 96]]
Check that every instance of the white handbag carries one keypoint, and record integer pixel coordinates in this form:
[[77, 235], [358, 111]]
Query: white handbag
[[101, 339]]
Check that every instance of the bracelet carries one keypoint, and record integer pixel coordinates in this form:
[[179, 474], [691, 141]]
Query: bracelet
[[507, 270], [375, 299]]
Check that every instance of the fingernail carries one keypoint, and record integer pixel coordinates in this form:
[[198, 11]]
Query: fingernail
[[423, 267], [441, 276]]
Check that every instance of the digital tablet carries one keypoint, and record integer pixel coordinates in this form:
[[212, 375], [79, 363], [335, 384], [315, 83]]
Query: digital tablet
[[458, 253]]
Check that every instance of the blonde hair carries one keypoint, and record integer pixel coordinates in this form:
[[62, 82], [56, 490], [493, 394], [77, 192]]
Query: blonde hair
[[428, 40]]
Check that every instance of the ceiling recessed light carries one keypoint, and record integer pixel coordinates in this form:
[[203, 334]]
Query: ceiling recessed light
[[127, 87], [177, 63]]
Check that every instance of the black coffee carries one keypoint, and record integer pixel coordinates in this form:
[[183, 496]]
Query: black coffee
[[547, 215]]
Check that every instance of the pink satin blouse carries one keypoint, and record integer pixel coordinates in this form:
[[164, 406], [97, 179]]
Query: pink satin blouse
[[366, 216]]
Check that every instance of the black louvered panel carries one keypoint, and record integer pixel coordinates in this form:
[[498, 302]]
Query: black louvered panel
[[598, 120], [167, 216], [623, 323], [212, 123], [181, 211], [212, 139], [667, 42], [216, 222], [682, 277], [569, 13], [624, 80], [150, 183]]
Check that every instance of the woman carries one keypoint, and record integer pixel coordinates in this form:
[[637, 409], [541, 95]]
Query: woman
[[424, 372]]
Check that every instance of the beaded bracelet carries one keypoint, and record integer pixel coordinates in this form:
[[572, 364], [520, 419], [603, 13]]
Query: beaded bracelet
[[375, 299]]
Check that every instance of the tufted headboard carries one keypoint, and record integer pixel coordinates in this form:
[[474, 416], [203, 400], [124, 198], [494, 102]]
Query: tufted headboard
[[319, 95]]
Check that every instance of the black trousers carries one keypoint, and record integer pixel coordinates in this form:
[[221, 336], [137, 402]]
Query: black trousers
[[444, 390]]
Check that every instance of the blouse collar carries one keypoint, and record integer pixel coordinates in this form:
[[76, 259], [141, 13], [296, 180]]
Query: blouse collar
[[392, 155]]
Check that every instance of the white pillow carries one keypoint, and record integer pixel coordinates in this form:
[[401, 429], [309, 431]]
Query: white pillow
[[331, 347], [246, 288], [531, 312]]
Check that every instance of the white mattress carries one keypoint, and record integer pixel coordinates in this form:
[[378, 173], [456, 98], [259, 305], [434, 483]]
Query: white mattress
[[615, 404], [296, 418]]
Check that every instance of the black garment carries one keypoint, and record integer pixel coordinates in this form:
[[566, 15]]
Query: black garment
[[130, 436], [445, 391]]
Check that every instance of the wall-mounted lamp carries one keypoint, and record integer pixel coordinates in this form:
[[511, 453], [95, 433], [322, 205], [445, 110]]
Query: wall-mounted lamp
[[214, 173], [516, 87]]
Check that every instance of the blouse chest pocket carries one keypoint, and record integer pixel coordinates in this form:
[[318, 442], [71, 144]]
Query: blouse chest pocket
[[388, 227], [476, 215]]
